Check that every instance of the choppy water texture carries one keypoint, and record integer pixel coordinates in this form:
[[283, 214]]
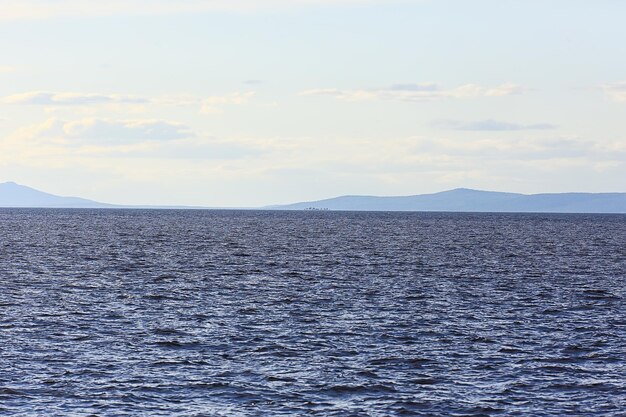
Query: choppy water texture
[[220, 313]]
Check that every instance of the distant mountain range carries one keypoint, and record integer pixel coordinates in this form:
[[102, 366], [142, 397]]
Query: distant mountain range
[[460, 199], [466, 200], [15, 195]]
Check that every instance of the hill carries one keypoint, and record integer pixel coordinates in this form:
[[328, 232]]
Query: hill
[[467, 200], [15, 195]]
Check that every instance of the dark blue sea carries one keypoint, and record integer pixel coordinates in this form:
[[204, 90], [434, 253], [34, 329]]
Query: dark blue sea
[[257, 313]]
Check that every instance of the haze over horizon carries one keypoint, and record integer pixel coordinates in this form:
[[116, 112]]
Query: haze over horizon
[[251, 103]]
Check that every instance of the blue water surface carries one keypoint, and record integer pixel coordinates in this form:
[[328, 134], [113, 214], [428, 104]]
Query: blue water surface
[[259, 313]]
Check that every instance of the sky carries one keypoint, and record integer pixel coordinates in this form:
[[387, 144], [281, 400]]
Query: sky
[[238, 103]]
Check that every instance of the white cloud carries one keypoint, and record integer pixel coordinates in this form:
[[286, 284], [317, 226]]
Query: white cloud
[[46, 9], [190, 149], [106, 131], [489, 125], [524, 149], [211, 104], [417, 92], [507, 89], [48, 98], [281, 165], [55, 100], [7, 68], [616, 91]]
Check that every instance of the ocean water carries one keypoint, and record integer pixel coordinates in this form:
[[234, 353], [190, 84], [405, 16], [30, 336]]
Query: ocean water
[[252, 313]]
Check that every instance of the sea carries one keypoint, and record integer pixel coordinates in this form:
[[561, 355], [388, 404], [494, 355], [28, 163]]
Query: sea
[[276, 313]]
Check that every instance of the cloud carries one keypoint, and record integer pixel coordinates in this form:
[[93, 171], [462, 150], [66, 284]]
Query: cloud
[[616, 91], [47, 98], [191, 149], [417, 92], [46, 9], [281, 165], [507, 89], [210, 104], [7, 68], [522, 149], [415, 87], [489, 125], [51, 99], [111, 131], [88, 140]]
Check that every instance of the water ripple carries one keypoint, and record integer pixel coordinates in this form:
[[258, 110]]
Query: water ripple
[[246, 313]]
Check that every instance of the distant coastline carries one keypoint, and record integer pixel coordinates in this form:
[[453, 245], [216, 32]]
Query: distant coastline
[[457, 200], [468, 200]]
